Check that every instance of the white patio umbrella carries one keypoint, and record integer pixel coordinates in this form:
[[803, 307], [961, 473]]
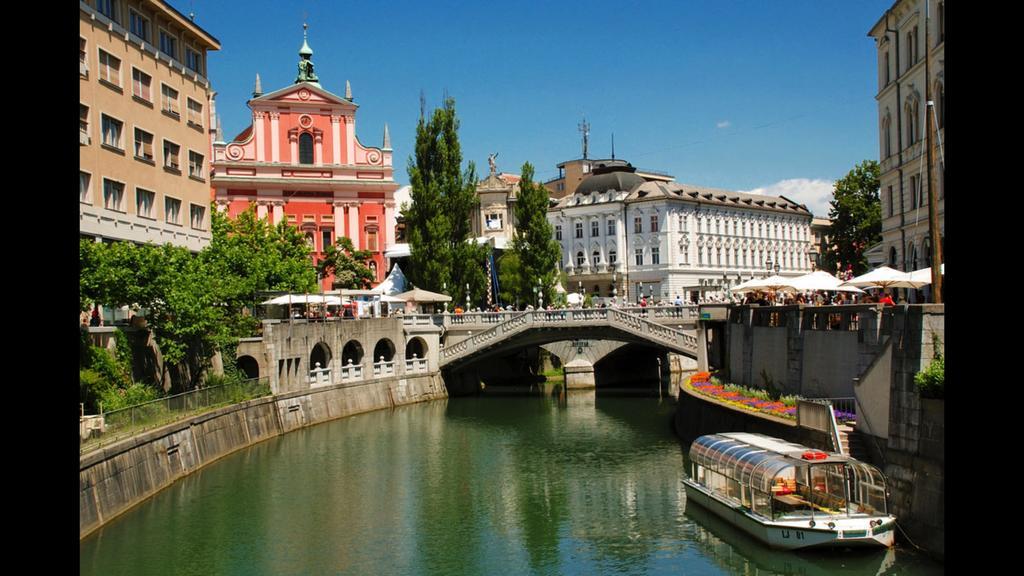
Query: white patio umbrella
[[574, 298], [821, 280], [772, 283], [884, 277], [305, 299], [925, 274]]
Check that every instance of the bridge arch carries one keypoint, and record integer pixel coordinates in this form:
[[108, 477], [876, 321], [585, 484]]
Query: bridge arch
[[384, 348], [416, 346], [321, 353], [352, 353], [248, 365]]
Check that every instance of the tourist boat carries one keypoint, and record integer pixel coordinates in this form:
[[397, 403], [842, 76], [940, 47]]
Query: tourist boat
[[787, 495]]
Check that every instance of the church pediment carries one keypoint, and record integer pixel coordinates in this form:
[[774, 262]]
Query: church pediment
[[303, 93]]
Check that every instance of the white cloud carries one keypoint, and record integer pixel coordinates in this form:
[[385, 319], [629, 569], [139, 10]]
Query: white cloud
[[815, 194], [724, 124]]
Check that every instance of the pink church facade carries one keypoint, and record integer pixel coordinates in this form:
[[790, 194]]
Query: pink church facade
[[300, 161]]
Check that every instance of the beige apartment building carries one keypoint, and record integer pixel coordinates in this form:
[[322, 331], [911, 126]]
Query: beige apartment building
[[144, 124], [907, 67]]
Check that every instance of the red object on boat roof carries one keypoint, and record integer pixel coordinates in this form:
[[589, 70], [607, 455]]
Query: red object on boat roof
[[814, 455]]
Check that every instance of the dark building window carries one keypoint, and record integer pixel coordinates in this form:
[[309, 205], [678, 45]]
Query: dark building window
[[305, 148]]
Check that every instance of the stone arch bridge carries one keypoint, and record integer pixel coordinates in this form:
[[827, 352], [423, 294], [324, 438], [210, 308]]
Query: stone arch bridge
[[546, 326]]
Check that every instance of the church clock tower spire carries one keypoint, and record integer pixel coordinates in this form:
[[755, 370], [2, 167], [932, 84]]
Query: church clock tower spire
[[305, 64]]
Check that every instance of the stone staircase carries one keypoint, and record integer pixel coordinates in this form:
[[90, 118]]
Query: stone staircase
[[852, 442]]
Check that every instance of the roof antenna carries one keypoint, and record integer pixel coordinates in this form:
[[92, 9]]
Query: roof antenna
[[585, 129], [613, 145]]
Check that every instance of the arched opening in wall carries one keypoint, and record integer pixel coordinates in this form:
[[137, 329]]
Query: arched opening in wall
[[305, 148], [416, 346], [634, 366], [384, 351], [249, 366], [321, 354], [352, 353]]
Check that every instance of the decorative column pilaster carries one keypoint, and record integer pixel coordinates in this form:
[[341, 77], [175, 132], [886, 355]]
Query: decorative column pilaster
[[318, 145], [339, 220], [278, 211], [275, 136], [336, 139], [353, 224], [222, 204], [262, 208], [389, 225], [261, 140], [350, 139]]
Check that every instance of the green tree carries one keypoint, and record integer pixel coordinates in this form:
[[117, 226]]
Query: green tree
[[534, 243], [438, 222], [349, 266], [856, 215]]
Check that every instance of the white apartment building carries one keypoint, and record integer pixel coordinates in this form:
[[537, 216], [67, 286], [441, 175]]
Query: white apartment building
[[623, 236]]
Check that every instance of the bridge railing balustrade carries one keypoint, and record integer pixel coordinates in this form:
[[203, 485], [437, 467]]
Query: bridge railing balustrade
[[415, 365], [383, 368], [319, 376], [351, 371]]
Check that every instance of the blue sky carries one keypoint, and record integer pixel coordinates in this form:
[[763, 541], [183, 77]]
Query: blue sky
[[763, 96]]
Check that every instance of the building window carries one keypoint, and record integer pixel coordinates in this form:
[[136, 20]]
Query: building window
[[595, 258], [193, 60], [138, 25], [887, 136], [172, 210], [579, 229], [84, 187], [913, 192], [371, 240], [83, 124], [655, 255], [654, 222], [613, 257], [197, 216], [940, 14], [638, 225], [888, 77], [195, 164], [892, 207], [144, 202], [325, 237], [169, 101], [83, 57], [111, 131], [639, 255], [195, 112], [610, 229], [558, 232], [493, 221], [700, 255], [595, 228], [580, 259], [168, 44], [143, 145], [305, 148], [108, 8], [113, 195], [171, 153], [719, 251], [110, 68], [142, 85]]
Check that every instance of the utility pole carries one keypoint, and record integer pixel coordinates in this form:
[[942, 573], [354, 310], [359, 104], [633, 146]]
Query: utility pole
[[933, 193]]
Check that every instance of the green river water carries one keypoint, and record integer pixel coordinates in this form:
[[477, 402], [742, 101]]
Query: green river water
[[496, 484]]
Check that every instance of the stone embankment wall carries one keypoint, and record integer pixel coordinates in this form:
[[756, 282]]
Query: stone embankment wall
[[116, 478], [697, 415]]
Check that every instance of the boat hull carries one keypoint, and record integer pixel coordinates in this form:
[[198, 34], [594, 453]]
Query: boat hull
[[796, 534]]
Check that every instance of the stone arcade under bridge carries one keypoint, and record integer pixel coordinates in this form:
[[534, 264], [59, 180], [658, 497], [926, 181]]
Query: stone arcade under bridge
[[300, 355]]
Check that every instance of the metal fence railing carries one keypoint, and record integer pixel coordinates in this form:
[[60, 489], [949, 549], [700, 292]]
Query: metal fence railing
[[103, 429]]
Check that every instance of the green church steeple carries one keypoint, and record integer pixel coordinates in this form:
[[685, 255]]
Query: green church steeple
[[305, 64]]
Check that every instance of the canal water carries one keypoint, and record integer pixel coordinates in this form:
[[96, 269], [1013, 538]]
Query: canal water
[[497, 484]]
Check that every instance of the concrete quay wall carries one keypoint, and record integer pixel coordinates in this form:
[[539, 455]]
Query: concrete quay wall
[[116, 478]]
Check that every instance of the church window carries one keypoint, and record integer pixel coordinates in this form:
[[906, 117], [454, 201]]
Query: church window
[[305, 148]]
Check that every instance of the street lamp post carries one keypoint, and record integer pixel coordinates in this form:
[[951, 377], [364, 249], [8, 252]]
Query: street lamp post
[[540, 295], [444, 290], [615, 289], [467, 297]]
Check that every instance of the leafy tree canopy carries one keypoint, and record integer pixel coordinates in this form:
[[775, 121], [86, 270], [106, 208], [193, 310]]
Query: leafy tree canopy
[[856, 215]]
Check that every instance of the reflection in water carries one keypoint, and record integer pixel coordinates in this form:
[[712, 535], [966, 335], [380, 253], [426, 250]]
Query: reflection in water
[[545, 483]]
